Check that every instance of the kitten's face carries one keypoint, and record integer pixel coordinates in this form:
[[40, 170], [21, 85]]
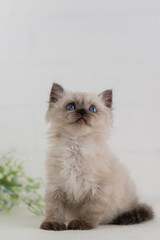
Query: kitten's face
[[79, 113]]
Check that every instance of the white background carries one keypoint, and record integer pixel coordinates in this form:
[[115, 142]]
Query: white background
[[85, 45]]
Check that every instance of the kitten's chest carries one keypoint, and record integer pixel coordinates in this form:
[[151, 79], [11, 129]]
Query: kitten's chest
[[77, 178], [75, 151]]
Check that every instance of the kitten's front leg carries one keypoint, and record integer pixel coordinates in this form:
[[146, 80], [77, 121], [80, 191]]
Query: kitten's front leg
[[89, 215], [54, 211]]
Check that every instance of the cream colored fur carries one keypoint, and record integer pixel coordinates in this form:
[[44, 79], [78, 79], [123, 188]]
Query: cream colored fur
[[84, 179]]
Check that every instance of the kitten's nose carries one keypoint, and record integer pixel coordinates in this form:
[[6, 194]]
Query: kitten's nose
[[82, 111]]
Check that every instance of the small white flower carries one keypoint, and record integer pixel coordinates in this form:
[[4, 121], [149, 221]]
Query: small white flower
[[14, 169], [1, 176], [22, 195], [2, 187], [9, 178], [6, 171], [23, 181], [6, 196], [20, 180]]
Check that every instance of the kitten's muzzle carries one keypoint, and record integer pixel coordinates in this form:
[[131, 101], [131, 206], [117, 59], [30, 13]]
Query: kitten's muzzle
[[81, 111], [81, 118]]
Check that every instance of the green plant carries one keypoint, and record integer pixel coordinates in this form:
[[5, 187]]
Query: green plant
[[16, 187]]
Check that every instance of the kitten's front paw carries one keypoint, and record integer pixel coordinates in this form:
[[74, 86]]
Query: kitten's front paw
[[54, 226], [79, 225]]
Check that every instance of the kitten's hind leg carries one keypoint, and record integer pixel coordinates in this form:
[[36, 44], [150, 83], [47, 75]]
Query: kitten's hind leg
[[139, 214]]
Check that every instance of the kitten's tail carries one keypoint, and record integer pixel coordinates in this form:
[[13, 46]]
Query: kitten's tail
[[141, 213]]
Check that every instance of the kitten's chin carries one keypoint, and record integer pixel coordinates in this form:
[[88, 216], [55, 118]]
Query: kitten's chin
[[80, 127], [81, 121]]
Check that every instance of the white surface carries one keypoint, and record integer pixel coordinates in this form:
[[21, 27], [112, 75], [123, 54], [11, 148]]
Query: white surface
[[21, 226]]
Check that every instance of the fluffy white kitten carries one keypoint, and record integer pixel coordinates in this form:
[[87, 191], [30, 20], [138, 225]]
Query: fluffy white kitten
[[85, 182]]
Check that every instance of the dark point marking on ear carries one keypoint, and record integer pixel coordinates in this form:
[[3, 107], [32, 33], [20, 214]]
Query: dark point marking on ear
[[140, 214], [107, 97], [56, 93]]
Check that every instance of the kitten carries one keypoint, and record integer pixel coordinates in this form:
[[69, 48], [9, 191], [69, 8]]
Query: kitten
[[85, 182]]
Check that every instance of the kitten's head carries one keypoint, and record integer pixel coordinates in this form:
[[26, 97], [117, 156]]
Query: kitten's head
[[78, 114]]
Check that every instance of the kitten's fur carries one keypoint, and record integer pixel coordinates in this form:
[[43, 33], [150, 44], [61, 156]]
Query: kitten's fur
[[85, 182]]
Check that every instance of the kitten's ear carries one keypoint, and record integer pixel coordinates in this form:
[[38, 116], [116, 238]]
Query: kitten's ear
[[107, 97], [56, 93]]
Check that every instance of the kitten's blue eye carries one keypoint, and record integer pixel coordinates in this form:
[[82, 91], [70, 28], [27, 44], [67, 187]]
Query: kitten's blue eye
[[70, 107], [93, 109]]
